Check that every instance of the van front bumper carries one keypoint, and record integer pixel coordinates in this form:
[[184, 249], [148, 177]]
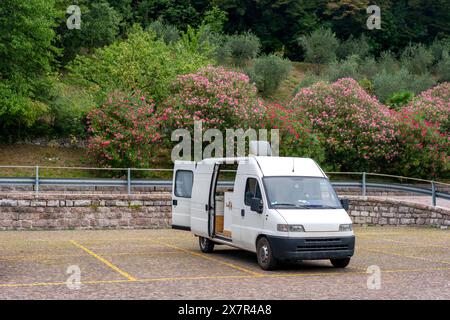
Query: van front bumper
[[312, 248]]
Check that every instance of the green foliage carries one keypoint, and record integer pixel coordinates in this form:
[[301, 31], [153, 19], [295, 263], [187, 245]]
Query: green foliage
[[388, 62], [237, 50], [417, 59], [168, 33], [26, 58], [309, 80], [399, 99], [100, 26], [439, 48], [267, 72], [320, 46], [386, 83], [442, 68], [215, 19], [348, 68], [141, 62], [68, 109], [354, 46]]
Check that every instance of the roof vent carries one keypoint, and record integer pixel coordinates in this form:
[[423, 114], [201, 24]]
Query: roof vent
[[260, 148]]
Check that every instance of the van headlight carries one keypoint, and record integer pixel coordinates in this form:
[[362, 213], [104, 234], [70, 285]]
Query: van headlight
[[290, 228], [345, 227]]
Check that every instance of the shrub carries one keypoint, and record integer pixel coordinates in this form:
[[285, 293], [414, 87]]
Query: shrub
[[221, 99], [124, 131], [367, 85], [387, 62], [442, 68], [368, 68], [433, 106], [399, 99], [359, 47], [348, 68], [309, 80], [237, 50], [139, 62], [268, 72], [387, 83], [296, 136], [358, 132], [320, 46], [439, 47], [417, 59], [424, 151], [166, 32]]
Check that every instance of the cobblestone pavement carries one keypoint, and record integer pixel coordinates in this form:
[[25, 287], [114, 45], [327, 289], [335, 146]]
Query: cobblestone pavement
[[166, 264]]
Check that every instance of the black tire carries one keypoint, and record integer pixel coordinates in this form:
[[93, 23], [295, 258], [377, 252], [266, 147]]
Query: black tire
[[264, 254], [340, 263], [206, 245]]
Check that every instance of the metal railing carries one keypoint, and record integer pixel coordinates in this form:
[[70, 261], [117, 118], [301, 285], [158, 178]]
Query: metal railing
[[419, 186]]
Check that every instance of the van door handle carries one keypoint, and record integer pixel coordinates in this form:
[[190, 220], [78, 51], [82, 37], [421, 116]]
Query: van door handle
[[243, 213], [175, 202]]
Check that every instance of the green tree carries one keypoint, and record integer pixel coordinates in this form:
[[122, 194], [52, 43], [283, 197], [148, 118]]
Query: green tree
[[26, 57], [320, 46]]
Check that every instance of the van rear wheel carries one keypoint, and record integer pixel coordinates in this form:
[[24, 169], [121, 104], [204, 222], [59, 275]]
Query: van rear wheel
[[206, 245], [264, 253], [340, 263]]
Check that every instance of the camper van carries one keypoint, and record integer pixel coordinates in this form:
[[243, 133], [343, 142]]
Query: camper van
[[279, 208]]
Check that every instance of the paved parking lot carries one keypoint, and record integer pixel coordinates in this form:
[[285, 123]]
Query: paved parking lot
[[167, 264]]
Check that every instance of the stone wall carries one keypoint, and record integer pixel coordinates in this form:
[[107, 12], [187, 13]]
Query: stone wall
[[69, 211], [26, 211], [379, 211]]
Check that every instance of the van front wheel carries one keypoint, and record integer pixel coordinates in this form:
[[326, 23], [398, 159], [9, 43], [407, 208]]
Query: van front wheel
[[264, 253], [206, 245], [340, 263]]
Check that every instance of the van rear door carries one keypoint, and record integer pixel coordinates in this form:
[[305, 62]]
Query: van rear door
[[183, 179]]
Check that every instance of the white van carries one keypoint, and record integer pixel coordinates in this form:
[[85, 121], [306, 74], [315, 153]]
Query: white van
[[279, 208]]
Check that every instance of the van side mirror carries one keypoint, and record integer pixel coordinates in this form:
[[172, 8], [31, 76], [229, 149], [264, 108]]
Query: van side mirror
[[256, 205], [345, 204]]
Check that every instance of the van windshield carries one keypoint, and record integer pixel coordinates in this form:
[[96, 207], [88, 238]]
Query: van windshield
[[301, 193]]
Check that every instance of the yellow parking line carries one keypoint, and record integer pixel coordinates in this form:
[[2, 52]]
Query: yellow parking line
[[231, 265], [109, 264], [261, 276]]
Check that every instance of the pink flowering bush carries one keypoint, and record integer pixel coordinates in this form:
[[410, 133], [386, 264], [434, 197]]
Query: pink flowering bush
[[124, 131], [296, 136], [358, 132], [222, 99], [424, 151], [433, 106]]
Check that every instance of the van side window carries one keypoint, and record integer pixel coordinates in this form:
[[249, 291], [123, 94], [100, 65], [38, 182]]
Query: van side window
[[252, 190], [183, 183]]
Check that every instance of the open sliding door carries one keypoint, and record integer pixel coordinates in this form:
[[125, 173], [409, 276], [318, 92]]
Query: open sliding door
[[202, 205]]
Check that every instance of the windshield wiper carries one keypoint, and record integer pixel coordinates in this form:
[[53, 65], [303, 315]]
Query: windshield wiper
[[292, 205], [324, 206]]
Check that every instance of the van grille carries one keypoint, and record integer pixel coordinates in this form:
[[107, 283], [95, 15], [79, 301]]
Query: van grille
[[322, 245]]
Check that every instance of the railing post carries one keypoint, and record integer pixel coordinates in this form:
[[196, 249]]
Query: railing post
[[129, 180], [364, 189], [433, 193], [37, 180]]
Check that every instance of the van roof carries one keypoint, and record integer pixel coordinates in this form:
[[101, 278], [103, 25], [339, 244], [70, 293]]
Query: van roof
[[276, 166]]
